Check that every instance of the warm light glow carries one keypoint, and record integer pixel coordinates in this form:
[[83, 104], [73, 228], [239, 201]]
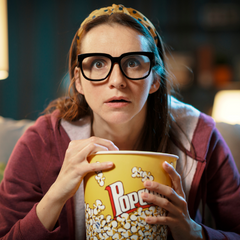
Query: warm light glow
[[4, 67], [226, 107]]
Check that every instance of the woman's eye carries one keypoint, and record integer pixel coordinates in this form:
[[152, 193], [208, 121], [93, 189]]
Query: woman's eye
[[132, 63], [98, 64]]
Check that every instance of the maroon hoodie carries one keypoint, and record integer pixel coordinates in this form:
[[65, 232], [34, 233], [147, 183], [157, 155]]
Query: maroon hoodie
[[208, 172]]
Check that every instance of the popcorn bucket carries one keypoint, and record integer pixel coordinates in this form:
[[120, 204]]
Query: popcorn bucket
[[114, 208]]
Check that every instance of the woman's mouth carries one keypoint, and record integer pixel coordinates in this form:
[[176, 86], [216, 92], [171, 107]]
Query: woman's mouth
[[117, 102]]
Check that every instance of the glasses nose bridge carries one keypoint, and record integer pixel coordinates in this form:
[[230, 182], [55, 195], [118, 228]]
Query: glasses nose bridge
[[116, 60]]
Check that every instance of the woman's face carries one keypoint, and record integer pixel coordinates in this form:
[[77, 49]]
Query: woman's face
[[117, 99]]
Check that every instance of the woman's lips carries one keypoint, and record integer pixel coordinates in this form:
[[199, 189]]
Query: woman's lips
[[117, 102]]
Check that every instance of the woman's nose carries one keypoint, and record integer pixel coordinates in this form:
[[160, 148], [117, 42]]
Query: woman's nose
[[116, 78]]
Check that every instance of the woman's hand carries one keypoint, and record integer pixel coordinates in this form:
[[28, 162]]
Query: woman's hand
[[74, 169], [76, 166], [177, 219]]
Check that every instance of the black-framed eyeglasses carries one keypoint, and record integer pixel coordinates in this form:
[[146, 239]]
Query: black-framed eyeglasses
[[133, 65]]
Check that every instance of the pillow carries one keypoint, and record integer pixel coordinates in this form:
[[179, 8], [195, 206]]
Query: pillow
[[10, 131], [231, 134], [2, 167]]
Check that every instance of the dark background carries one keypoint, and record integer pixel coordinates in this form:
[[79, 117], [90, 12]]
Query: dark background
[[203, 37]]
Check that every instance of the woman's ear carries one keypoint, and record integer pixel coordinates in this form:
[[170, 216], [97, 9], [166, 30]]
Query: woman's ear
[[78, 84], [155, 86]]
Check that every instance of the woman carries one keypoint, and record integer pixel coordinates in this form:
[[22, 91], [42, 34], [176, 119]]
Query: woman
[[119, 101]]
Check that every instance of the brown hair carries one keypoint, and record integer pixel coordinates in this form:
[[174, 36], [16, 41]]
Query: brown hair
[[154, 135]]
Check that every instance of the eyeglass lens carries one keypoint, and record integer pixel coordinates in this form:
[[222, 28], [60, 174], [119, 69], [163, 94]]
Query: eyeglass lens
[[98, 67]]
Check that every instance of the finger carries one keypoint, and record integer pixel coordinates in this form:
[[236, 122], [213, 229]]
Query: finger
[[79, 144], [175, 178], [165, 191], [162, 220], [81, 157], [95, 167], [103, 142], [161, 202], [92, 148], [79, 165], [78, 150]]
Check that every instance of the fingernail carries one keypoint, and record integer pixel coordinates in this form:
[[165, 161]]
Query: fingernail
[[116, 147], [167, 164], [110, 164], [148, 220], [147, 184], [144, 195]]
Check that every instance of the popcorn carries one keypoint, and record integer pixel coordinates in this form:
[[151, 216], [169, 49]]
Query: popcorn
[[126, 226], [98, 207], [139, 173], [100, 178]]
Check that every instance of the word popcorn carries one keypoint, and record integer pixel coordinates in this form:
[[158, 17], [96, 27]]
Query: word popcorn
[[122, 203]]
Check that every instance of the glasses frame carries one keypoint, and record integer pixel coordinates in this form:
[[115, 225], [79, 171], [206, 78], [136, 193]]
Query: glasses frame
[[114, 60]]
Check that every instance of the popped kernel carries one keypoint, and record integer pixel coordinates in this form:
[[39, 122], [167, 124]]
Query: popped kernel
[[100, 178], [98, 207], [139, 173]]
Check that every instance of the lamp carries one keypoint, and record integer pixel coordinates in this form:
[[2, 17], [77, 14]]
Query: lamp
[[226, 107], [4, 65]]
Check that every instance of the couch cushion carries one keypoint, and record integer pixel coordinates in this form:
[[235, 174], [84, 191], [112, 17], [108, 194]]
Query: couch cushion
[[10, 131]]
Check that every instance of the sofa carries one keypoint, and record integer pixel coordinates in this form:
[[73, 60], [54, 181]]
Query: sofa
[[11, 130]]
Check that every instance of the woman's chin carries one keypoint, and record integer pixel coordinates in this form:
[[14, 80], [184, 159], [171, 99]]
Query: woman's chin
[[118, 119]]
